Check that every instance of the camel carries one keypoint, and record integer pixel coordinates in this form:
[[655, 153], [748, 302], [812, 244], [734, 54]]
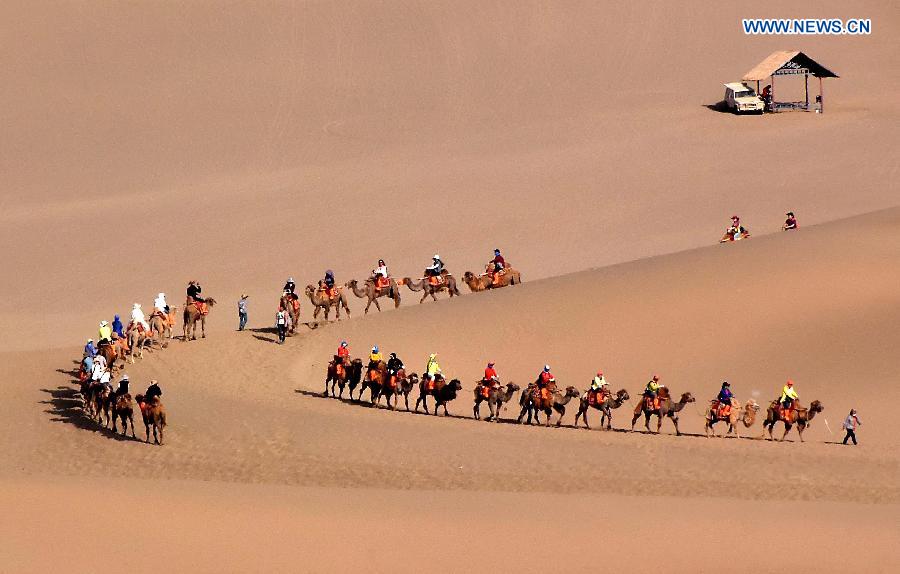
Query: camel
[[154, 415], [406, 387], [369, 291], [802, 416], [391, 388], [291, 304], [192, 316], [448, 283], [320, 301], [375, 378], [137, 339], [747, 415], [351, 373], [605, 406], [483, 282], [666, 409], [123, 409], [535, 405], [162, 328], [443, 392], [495, 399], [111, 353]]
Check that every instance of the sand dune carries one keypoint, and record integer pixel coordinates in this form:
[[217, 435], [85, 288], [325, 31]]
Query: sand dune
[[146, 145]]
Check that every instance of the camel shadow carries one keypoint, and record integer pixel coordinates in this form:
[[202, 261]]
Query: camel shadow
[[345, 400], [65, 407]]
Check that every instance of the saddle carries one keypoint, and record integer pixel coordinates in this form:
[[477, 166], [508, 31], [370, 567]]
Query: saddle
[[597, 397], [436, 383], [651, 403], [161, 315], [435, 280], [484, 387], [382, 282], [719, 409], [132, 326], [202, 307]]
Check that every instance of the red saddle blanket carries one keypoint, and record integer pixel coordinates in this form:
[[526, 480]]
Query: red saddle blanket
[[596, 397], [434, 281], [721, 410], [202, 308], [651, 403]]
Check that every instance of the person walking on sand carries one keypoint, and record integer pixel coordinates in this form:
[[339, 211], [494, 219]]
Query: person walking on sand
[[242, 312], [281, 324], [850, 423]]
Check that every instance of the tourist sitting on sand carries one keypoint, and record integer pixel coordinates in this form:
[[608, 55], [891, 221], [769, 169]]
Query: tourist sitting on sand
[[790, 222]]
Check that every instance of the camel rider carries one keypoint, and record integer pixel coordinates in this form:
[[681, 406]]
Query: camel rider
[[160, 306], [138, 319], [546, 377], [152, 391], [788, 396], [652, 387], [122, 389], [290, 286], [491, 379], [329, 283], [98, 368], [375, 357], [599, 384], [104, 334], [394, 364], [790, 222], [380, 274], [89, 349], [436, 267], [342, 357], [117, 327], [193, 293], [724, 399], [432, 368]]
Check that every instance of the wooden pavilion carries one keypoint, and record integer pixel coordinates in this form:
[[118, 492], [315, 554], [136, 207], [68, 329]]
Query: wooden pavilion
[[787, 63]]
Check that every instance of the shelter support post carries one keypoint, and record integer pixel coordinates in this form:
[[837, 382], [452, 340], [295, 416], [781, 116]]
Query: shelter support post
[[806, 88], [821, 97]]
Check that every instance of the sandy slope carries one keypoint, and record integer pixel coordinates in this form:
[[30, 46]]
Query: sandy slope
[[144, 146], [301, 136], [244, 411]]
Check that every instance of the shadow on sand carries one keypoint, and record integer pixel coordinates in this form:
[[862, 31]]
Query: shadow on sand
[[65, 407]]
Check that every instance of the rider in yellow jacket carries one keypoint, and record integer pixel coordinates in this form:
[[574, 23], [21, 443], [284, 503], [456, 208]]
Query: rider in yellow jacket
[[788, 395]]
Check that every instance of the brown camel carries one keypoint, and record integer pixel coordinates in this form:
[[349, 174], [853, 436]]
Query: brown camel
[[370, 292], [605, 406], [291, 304], [666, 408], [154, 415], [746, 414], [101, 402], [448, 283], [112, 352], [533, 403], [376, 376], [801, 416], [406, 386], [320, 301], [123, 409], [192, 316], [350, 373], [161, 329], [391, 388], [442, 391], [495, 399], [483, 282], [137, 340]]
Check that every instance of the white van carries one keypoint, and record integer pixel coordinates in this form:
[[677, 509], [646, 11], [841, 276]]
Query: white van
[[740, 98]]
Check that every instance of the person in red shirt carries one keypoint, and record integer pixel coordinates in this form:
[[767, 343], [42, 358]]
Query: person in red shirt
[[546, 377], [490, 376], [790, 222]]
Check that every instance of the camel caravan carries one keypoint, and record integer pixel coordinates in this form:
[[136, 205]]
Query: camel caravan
[[389, 379]]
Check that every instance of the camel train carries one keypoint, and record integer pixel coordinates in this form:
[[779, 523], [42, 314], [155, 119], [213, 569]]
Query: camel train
[[535, 401]]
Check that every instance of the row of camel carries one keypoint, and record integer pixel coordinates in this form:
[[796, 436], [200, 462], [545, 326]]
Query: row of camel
[[532, 404], [99, 402], [371, 292]]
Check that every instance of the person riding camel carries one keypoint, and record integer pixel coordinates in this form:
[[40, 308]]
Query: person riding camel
[[104, 334], [433, 272], [161, 306], [122, 389], [117, 326], [651, 391], [138, 320], [89, 349], [342, 358], [491, 378], [375, 357], [394, 364], [789, 223], [546, 383], [496, 265], [152, 392], [789, 398], [599, 387], [328, 284], [194, 297], [290, 286], [432, 371], [723, 400], [380, 273]]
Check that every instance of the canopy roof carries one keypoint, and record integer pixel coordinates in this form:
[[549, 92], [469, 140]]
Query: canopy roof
[[785, 63]]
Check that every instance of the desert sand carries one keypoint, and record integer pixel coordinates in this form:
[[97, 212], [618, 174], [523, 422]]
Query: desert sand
[[147, 144]]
